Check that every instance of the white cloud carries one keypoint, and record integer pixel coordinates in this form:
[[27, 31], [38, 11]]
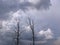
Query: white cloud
[[48, 34], [27, 28]]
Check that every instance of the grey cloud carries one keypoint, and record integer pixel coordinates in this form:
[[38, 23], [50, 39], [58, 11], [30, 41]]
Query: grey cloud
[[13, 5], [5, 8], [43, 4]]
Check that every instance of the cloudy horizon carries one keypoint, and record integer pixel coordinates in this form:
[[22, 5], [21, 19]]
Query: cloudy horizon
[[44, 13]]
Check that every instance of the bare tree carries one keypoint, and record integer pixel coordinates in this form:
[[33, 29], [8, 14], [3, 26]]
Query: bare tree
[[17, 38], [18, 33], [31, 23]]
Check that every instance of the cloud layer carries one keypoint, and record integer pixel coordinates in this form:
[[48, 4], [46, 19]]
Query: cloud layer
[[12, 9], [47, 34], [7, 6]]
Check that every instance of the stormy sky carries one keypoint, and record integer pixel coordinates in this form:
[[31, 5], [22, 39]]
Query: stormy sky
[[44, 13]]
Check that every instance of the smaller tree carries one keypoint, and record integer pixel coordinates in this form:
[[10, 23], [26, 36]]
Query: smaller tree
[[18, 33], [17, 36]]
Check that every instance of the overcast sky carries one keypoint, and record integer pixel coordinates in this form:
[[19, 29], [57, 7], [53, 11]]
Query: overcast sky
[[45, 13]]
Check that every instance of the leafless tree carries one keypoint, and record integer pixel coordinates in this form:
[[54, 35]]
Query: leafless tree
[[17, 38], [31, 23], [18, 33]]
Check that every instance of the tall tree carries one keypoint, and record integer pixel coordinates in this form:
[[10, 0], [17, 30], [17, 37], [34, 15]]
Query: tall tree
[[31, 23], [18, 33], [17, 38]]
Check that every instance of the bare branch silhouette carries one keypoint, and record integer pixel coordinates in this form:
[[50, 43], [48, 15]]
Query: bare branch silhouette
[[31, 23]]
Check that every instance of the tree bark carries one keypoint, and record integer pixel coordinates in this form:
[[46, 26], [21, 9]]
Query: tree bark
[[17, 39], [31, 23]]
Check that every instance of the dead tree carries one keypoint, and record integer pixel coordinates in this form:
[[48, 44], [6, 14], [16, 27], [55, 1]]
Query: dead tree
[[18, 33], [31, 23], [17, 36]]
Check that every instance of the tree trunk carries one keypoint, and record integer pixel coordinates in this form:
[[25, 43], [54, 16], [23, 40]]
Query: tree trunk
[[31, 23], [17, 39], [33, 37]]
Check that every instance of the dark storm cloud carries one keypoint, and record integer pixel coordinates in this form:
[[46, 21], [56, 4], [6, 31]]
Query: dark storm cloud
[[43, 4], [7, 6]]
